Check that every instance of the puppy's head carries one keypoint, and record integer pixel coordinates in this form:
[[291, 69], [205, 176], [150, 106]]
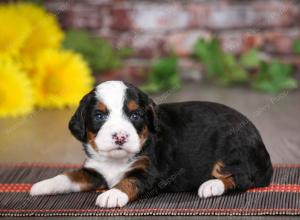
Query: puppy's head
[[114, 120]]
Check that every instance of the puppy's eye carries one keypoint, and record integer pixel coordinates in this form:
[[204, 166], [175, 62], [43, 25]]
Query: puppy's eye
[[101, 116], [134, 117]]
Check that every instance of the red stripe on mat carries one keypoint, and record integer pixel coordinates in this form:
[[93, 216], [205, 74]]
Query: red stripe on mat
[[277, 188], [25, 187], [20, 187], [15, 187]]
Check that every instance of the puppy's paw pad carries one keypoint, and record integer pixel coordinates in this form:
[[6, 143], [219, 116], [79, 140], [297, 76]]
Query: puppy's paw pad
[[211, 188], [112, 198]]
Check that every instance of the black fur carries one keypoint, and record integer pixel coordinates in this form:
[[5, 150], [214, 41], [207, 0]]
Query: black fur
[[186, 140], [77, 124], [193, 136], [96, 180]]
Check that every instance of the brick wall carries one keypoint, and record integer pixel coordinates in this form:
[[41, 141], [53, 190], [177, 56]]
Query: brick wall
[[154, 27]]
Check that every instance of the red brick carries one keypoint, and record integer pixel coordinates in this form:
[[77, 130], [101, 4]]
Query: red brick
[[276, 14], [251, 40], [120, 19], [85, 16], [257, 14], [144, 45], [134, 71], [159, 16], [232, 42], [150, 45], [239, 41], [280, 42], [154, 28], [183, 42], [198, 14]]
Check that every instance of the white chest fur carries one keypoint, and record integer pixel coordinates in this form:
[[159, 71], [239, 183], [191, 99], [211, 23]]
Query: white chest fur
[[112, 170]]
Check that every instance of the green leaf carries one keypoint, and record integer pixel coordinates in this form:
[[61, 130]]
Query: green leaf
[[274, 77], [296, 46], [226, 69], [99, 54], [250, 59], [221, 66], [163, 75], [290, 84]]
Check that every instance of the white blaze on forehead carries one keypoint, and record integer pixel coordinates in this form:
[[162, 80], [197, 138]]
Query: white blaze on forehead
[[112, 94]]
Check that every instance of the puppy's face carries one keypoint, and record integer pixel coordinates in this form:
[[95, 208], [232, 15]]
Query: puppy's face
[[114, 120]]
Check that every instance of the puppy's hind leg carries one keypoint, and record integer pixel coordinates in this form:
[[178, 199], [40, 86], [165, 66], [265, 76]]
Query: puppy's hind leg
[[75, 181]]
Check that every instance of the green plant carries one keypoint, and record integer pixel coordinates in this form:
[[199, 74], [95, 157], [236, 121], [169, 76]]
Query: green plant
[[274, 77], [163, 75], [99, 54], [250, 59], [296, 46], [221, 66], [226, 69]]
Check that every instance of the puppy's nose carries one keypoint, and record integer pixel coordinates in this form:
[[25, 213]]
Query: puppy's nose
[[120, 138]]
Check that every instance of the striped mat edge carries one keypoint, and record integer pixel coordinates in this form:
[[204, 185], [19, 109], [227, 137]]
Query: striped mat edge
[[284, 190]]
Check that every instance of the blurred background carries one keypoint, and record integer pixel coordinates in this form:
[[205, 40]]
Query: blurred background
[[245, 54]]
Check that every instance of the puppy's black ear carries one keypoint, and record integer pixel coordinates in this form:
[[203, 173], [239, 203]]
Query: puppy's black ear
[[152, 116], [77, 122]]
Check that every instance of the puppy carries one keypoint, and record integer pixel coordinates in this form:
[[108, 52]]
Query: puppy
[[134, 147]]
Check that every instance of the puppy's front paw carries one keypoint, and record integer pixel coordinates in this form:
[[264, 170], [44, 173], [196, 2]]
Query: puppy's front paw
[[55, 185], [44, 187], [211, 188], [112, 198]]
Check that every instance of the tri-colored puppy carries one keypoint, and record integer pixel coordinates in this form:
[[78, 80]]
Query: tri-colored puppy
[[134, 147]]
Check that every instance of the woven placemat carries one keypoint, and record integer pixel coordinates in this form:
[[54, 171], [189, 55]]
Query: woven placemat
[[282, 197]]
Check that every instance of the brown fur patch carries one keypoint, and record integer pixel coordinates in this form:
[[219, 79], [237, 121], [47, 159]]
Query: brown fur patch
[[141, 164], [132, 105], [82, 178], [128, 186], [101, 106], [228, 183], [91, 139], [225, 177], [144, 135]]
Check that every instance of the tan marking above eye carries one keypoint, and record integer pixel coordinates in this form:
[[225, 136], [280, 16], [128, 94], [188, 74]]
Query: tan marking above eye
[[132, 105], [101, 106]]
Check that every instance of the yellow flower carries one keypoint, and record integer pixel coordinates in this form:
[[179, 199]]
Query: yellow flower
[[45, 30], [15, 90], [14, 31], [60, 79]]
